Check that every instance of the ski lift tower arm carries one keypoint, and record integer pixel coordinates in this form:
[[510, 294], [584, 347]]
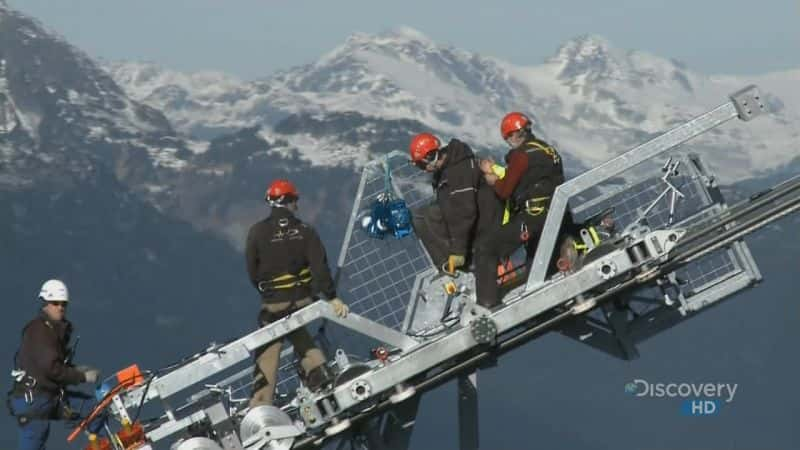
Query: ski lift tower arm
[[745, 104]]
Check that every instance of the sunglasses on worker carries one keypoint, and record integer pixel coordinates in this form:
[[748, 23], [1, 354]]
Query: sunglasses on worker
[[426, 161]]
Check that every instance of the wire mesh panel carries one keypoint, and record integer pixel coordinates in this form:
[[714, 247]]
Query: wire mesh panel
[[632, 201], [708, 271], [376, 276], [638, 201]]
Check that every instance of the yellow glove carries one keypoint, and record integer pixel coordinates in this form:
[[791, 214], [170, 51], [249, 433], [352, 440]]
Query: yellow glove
[[499, 171], [454, 261], [339, 307]]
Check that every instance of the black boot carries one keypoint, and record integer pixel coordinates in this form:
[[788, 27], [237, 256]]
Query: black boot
[[318, 378]]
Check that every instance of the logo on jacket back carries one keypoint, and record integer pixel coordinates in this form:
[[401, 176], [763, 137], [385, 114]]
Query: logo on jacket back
[[282, 234]]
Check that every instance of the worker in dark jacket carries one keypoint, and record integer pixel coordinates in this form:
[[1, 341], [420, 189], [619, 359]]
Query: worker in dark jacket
[[464, 207], [286, 262], [534, 171], [43, 369]]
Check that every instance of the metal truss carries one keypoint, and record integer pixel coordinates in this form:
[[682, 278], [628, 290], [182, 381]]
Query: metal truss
[[666, 266]]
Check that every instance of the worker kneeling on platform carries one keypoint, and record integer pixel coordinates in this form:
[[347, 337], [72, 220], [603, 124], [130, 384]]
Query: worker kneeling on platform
[[286, 262], [465, 206], [534, 171]]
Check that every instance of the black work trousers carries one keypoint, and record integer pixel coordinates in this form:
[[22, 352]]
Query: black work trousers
[[431, 229], [430, 225], [502, 241]]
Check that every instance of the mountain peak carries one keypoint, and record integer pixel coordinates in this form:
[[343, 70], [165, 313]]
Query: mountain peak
[[407, 33], [401, 35], [585, 49], [590, 56], [57, 104]]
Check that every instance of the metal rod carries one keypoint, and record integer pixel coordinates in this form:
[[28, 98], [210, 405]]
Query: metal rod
[[734, 234], [745, 207]]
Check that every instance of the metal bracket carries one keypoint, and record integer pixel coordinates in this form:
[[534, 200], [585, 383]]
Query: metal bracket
[[660, 242], [670, 169], [748, 103]]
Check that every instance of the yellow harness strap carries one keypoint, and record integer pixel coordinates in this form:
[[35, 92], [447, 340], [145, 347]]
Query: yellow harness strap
[[289, 280], [500, 171], [595, 240]]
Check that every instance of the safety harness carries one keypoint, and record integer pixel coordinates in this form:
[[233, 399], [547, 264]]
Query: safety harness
[[582, 248], [27, 387], [286, 281], [23, 385], [535, 206]]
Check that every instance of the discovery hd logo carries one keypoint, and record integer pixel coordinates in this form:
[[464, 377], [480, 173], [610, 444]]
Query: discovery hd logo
[[699, 399]]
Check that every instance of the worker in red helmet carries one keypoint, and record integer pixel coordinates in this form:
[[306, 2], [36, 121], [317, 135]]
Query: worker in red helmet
[[534, 170], [287, 264], [464, 205]]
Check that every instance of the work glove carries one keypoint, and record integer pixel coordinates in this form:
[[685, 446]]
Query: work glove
[[339, 307], [90, 374], [454, 261]]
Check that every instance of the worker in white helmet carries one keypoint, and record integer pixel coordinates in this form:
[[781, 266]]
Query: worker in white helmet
[[43, 368]]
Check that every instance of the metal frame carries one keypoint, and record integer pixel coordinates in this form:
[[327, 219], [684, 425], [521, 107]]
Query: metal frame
[[617, 331], [678, 135], [634, 259], [468, 424], [219, 359], [515, 312]]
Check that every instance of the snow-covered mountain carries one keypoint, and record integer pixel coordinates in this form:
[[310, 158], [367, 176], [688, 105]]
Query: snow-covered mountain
[[102, 191], [62, 115], [592, 99], [78, 159], [320, 121]]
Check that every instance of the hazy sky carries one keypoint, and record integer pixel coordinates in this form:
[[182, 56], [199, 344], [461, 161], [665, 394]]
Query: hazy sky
[[252, 38]]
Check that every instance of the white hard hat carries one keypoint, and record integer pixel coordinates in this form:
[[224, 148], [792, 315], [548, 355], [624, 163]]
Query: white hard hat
[[54, 291]]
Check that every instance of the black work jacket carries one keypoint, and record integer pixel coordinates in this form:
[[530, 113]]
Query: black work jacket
[[43, 351], [456, 187], [282, 244]]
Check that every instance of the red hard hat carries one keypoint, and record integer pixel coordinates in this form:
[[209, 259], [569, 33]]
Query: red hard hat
[[513, 121], [280, 189], [421, 145]]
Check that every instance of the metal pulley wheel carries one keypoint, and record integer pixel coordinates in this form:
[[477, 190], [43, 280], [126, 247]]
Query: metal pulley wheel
[[196, 443], [264, 427], [361, 389]]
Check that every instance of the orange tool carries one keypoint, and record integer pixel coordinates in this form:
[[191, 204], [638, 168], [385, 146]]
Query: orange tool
[[127, 377]]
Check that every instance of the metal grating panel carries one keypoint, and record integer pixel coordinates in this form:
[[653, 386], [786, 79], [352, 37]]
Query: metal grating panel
[[376, 276], [708, 270], [631, 200]]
